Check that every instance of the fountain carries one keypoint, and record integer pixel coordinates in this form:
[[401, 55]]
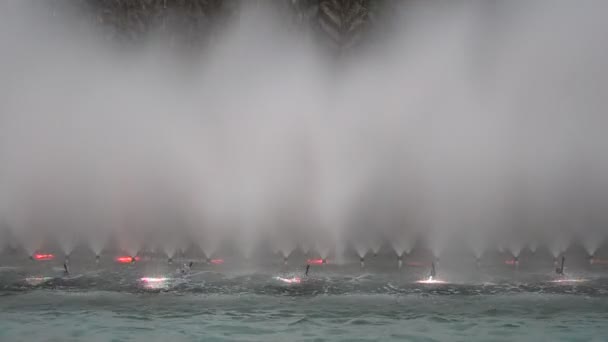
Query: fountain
[[97, 242], [557, 246], [284, 246], [401, 247], [170, 246], [515, 248], [361, 249], [68, 242], [591, 241], [323, 248]]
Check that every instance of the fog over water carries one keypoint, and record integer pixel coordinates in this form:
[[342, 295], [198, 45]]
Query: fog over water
[[481, 123]]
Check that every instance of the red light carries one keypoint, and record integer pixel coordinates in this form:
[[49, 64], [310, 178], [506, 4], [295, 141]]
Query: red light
[[511, 262], [315, 261], [217, 261], [126, 259], [597, 261], [38, 256]]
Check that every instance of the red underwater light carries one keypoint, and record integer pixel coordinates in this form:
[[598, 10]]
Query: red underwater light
[[316, 261], [217, 261], [126, 259], [41, 257]]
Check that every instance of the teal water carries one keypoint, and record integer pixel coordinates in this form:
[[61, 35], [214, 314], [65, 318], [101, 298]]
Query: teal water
[[116, 305], [50, 315]]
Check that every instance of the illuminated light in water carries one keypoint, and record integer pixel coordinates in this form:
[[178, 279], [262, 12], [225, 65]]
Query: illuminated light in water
[[316, 261], [42, 257], [126, 259], [217, 261], [568, 280], [154, 282], [37, 280], [430, 280], [153, 279], [294, 280]]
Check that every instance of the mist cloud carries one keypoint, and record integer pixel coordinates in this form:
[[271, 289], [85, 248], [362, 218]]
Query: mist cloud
[[475, 120]]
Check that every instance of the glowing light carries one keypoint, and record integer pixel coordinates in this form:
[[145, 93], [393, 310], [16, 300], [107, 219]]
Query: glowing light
[[316, 261], [126, 259], [511, 262], [568, 280], [42, 257], [153, 279], [294, 280], [217, 261], [37, 280], [154, 283], [430, 280]]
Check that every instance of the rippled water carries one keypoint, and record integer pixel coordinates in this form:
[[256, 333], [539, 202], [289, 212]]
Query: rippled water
[[224, 306]]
